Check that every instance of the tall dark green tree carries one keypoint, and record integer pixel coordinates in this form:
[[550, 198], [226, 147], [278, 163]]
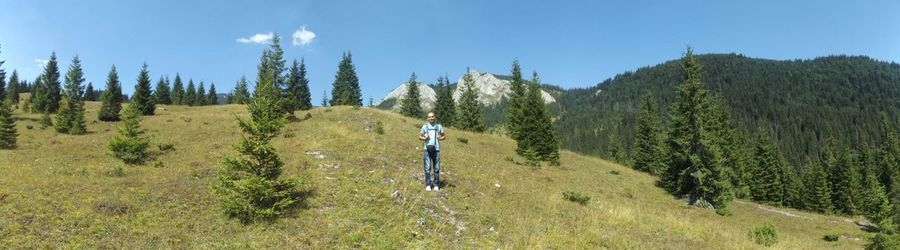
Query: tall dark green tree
[[845, 183], [200, 98], [515, 113], [647, 153], [241, 94], [444, 106], [346, 89], [8, 132], [46, 94], [792, 188], [143, 96], [190, 94], [818, 188], [12, 91], [177, 91], [111, 99], [411, 104], [537, 127], [693, 169], [90, 94], [212, 98], [70, 118], [295, 97], [3, 88], [304, 97], [471, 115], [163, 94]]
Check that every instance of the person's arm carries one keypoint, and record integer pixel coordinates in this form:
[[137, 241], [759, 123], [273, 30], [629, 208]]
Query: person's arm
[[422, 134], [442, 136]]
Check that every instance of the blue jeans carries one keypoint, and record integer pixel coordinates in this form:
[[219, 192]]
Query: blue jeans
[[433, 159]]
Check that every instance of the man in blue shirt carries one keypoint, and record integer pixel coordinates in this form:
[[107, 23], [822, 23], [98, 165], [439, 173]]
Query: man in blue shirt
[[432, 133]]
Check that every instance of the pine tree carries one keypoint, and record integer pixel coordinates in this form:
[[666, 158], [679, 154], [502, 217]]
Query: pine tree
[[537, 129], [7, 126], [292, 92], [346, 84], [111, 99], [819, 188], [177, 91], [768, 180], [876, 205], [647, 145], [249, 185], [200, 97], [143, 96], [471, 115], [89, 93], [793, 188], [845, 184], [325, 99], [304, 97], [212, 98], [241, 94], [12, 92], [163, 95], [694, 168], [888, 158], [2, 81], [70, 118], [411, 105], [130, 145], [190, 94], [445, 107], [45, 98], [515, 112]]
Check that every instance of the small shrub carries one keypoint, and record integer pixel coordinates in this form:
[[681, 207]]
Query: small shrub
[[531, 158], [462, 140], [289, 134], [885, 241], [766, 234], [29, 126], [831, 237], [379, 128], [307, 116], [723, 211], [576, 197], [159, 164], [166, 147], [614, 172], [45, 121]]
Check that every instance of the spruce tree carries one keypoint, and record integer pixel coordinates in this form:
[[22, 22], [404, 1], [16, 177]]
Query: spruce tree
[[325, 99], [445, 107], [200, 97], [792, 188], [3, 88], [45, 98], [411, 105], [304, 97], [471, 115], [178, 91], [12, 91], [647, 145], [873, 198], [241, 94], [190, 94], [538, 132], [768, 180], [249, 185], [7, 126], [130, 145], [292, 91], [515, 111], [143, 96], [90, 93], [346, 84], [844, 182], [111, 99], [163, 95], [70, 118], [818, 188], [212, 98]]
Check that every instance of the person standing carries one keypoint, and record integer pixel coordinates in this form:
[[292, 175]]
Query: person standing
[[432, 133]]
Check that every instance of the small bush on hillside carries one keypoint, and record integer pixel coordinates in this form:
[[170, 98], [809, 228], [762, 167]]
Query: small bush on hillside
[[576, 197], [379, 128], [531, 158], [307, 116], [45, 121], [884, 241], [462, 140], [831, 237], [166, 147], [766, 234], [614, 172], [129, 145]]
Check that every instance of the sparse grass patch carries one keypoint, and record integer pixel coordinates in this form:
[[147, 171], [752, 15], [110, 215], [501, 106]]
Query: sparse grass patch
[[766, 234], [462, 140], [614, 172], [576, 197]]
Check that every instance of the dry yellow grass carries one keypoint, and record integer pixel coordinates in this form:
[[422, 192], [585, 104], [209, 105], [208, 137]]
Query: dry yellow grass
[[63, 191]]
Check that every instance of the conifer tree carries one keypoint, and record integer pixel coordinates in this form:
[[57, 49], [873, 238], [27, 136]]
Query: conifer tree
[[200, 97], [303, 96], [130, 145], [515, 112], [471, 115], [190, 94], [2, 81], [90, 93], [445, 107], [844, 182], [768, 181], [12, 91], [241, 94], [292, 93], [163, 95], [888, 159], [70, 118], [212, 98], [793, 189], [143, 96], [411, 105], [45, 97], [873, 198], [325, 99], [538, 131], [818, 188], [647, 144], [346, 84], [111, 99], [7, 126], [178, 91]]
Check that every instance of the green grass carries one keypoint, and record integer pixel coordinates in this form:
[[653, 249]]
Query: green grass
[[63, 191]]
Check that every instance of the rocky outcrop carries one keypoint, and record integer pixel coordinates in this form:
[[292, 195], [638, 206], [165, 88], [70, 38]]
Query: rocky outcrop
[[491, 89]]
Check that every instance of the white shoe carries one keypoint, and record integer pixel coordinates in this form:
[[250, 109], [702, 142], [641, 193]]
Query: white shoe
[[436, 188], [427, 188]]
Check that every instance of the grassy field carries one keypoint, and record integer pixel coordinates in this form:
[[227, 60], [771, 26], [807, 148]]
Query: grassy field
[[62, 191]]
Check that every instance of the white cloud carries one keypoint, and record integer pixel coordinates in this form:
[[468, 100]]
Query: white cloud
[[258, 38], [303, 37], [41, 62]]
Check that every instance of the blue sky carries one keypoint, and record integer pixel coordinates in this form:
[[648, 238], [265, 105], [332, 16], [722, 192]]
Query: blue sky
[[569, 43]]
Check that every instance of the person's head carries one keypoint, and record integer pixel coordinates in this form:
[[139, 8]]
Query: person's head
[[431, 118]]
